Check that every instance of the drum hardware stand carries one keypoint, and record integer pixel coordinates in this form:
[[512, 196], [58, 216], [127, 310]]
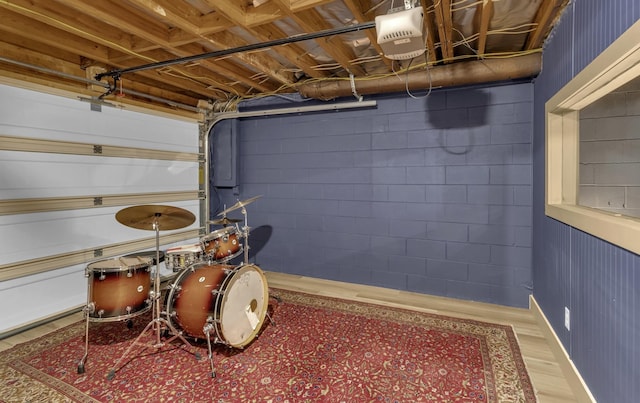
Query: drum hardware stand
[[86, 310], [155, 325], [207, 331], [245, 233]]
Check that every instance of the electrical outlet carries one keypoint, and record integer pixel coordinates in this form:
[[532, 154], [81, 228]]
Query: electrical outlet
[[567, 318]]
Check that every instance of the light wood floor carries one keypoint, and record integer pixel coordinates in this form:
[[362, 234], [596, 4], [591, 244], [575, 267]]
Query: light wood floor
[[546, 375]]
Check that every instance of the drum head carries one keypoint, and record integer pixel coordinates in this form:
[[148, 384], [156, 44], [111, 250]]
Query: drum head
[[120, 264], [219, 233], [244, 305]]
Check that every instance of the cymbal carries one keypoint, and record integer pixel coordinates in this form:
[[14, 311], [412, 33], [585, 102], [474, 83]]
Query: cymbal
[[144, 217], [240, 204], [223, 221]]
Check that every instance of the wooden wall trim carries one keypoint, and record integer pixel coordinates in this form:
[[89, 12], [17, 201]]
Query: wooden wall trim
[[12, 143], [577, 384], [35, 205], [47, 263]]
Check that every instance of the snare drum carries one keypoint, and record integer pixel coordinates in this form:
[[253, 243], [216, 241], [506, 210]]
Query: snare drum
[[227, 302], [118, 288], [181, 257], [222, 245]]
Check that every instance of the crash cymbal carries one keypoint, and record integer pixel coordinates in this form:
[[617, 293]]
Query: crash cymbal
[[240, 204], [223, 221], [144, 217]]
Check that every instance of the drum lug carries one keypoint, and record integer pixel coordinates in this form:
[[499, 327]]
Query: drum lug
[[216, 292], [90, 308], [102, 276], [227, 271], [129, 274], [100, 313], [129, 309]]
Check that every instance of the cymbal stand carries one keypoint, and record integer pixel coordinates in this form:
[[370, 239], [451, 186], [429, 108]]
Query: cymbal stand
[[86, 311], [245, 233], [207, 329], [155, 325]]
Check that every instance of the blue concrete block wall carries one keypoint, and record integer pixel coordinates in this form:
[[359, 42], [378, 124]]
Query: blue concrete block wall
[[430, 195]]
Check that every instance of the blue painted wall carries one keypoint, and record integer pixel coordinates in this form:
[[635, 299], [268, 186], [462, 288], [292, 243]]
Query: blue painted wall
[[598, 282], [431, 195]]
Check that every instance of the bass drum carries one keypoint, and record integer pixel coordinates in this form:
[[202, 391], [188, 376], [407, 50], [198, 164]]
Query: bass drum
[[225, 301], [118, 288]]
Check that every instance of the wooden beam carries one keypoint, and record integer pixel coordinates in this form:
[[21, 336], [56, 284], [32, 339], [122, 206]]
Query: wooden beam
[[485, 10], [548, 10], [445, 29], [311, 21]]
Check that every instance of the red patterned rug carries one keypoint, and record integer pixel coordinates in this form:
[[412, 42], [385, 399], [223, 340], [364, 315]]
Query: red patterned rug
[[320, 349]]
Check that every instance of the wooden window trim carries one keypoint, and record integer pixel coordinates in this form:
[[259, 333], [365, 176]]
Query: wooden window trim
[[617, 65]]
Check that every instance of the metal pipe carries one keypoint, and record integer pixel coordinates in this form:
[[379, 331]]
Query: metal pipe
[[456, 74], [246, 48], [54, 72], [98, 83], [267, 112]]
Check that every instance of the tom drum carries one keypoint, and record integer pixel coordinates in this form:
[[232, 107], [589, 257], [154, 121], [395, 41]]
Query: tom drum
[[222, 245], [228, 302], [118, 288]]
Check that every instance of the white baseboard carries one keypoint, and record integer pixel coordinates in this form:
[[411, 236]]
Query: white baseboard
[[577, 384]]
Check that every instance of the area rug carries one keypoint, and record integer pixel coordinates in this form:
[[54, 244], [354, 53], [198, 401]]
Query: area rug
[[317, 349]]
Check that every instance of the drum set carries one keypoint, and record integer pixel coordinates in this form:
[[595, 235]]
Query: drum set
[[207, 297]]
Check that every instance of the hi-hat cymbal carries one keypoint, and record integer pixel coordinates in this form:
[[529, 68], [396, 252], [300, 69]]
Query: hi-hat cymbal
[[240, 204], [224, 221], [145, 216]]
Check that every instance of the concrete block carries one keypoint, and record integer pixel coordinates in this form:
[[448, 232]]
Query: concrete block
[[490, 155], [511, 175], [389, 245], [444, 231], [388, 141], [425, 138], [468, 252], [468, 137], [337, 191], [348, 208], [446, 193], [524, 236], [466, 213], [405, 158], [370, 226], [510, 215], [407, 193], [425, 175], [514, 133], [444, 156], [467, 175], [511, 256], [426, 248], [408, 265], [492, 234], [309, 222], [408, 228], [625, 174], [490, 194], [388, 175], [447, 270], [523, 195]]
